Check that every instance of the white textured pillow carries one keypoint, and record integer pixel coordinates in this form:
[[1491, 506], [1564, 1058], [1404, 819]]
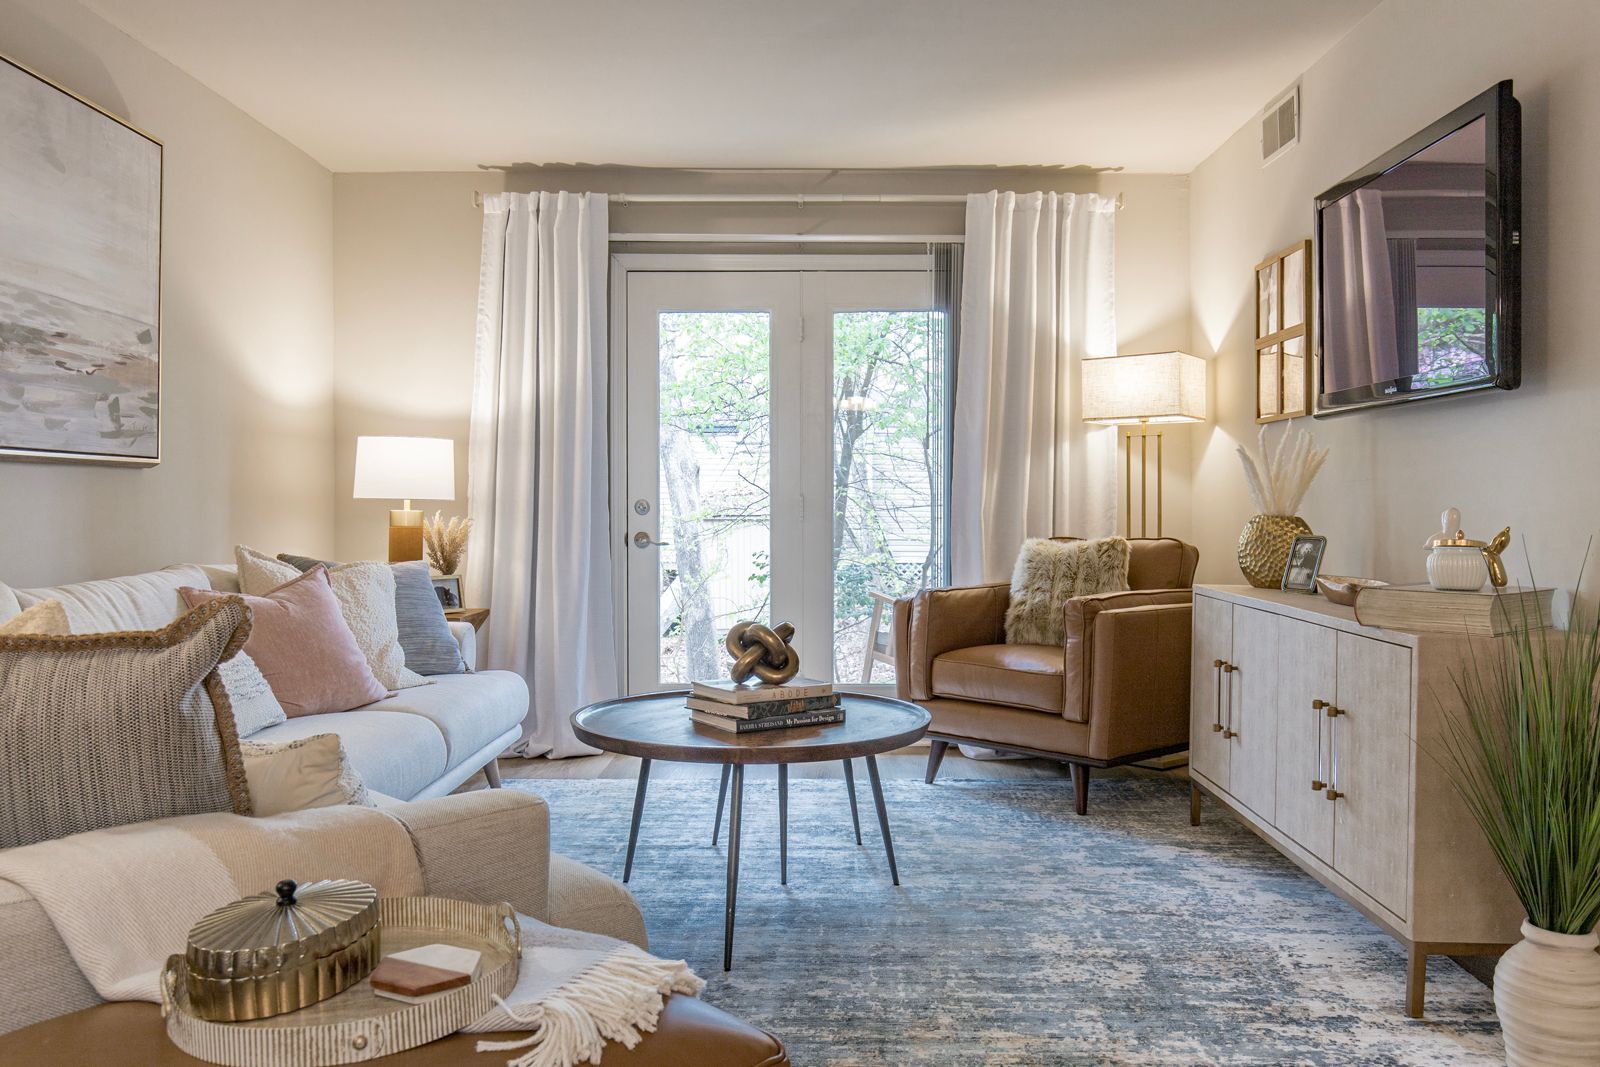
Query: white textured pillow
[[254, 706], [308, 772], [47, 618], [365, 592], [1050, 573]]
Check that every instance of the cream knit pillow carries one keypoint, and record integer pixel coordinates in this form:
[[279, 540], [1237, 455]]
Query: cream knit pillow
[[365, 592], [1050, 573], [308, 772], [46, 617]]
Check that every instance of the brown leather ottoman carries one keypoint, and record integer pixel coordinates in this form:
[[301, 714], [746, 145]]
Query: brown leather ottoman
[[690, 1034]]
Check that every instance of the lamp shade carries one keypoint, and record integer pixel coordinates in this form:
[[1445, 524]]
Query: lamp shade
[[405, 468], [1155, 387]]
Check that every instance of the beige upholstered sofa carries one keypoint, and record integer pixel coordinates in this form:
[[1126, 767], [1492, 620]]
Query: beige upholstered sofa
[[421, 742], [487, 846]]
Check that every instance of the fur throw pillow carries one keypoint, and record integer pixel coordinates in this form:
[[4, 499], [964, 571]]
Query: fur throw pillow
[[1050, 573]]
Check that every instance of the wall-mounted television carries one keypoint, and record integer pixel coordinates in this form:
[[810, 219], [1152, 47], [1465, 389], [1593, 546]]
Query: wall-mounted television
[[1418, 264]]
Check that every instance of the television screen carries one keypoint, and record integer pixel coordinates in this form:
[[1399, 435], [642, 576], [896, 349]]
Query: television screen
[[1417, 265]]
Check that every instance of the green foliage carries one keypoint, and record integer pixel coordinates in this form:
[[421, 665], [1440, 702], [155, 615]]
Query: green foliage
[[1451, 345], [1527, 760]]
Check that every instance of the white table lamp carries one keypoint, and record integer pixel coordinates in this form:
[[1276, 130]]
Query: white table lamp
[[405, 468], [1158, 387]]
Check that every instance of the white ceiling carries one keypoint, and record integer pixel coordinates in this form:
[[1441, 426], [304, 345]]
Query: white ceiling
[[403, 85]]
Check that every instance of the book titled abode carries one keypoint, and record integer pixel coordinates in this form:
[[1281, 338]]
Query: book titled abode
[[742, 709]]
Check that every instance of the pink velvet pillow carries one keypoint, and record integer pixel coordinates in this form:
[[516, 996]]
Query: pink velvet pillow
[[299, 639]]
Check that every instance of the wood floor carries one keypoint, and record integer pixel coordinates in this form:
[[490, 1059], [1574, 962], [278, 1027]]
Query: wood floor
[[908, 763]]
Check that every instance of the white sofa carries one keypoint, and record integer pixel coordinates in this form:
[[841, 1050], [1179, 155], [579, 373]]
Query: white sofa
[[418, 743]]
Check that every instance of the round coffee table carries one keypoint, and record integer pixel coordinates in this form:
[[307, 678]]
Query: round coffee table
[[658, 727]]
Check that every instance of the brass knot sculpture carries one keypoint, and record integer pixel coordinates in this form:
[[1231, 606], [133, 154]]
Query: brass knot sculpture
[[764, 652]]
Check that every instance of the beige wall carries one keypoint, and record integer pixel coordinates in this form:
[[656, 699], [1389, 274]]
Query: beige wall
[[247, 323], [1526, 458], [406, 262]]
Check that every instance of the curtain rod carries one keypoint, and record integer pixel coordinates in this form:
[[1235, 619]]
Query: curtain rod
[[797, 199], [788, 238]]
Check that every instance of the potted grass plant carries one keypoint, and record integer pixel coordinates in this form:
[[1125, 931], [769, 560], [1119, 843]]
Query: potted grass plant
[[1526, 756]]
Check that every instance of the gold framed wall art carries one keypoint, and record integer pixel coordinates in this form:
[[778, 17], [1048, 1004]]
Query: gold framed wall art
[[1282, 353], [80, 279]]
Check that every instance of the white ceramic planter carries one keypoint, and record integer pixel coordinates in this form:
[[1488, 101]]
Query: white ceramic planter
[[1547, 994]]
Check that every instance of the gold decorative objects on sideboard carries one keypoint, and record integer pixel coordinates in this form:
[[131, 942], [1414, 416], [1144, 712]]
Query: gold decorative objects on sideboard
[[1278, 478], [1283, 308], [1325, 737]]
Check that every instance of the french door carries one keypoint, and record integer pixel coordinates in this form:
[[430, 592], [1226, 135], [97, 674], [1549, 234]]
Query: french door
[[785, 461]]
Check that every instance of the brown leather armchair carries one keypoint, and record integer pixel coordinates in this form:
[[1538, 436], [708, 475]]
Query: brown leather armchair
[[1116, 690]]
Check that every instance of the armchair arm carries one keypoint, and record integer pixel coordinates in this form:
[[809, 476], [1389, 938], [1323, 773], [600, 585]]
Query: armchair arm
[[1127, 671], [486, 846], [935, 621]]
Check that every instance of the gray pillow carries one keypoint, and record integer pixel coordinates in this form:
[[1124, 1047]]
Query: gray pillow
[[425, 635], [101, 730]]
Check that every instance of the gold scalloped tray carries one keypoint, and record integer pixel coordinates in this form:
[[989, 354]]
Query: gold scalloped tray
[[358, 1025]]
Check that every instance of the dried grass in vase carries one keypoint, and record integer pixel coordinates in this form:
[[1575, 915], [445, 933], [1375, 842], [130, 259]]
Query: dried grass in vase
[[446, 541]]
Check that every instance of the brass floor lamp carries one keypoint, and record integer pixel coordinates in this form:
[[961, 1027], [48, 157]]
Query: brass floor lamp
[[1139, 392]]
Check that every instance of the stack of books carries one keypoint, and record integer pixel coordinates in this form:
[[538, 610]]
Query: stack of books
[[744, 709], [1485, 613]]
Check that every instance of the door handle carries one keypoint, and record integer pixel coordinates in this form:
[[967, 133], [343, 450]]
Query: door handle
[[1227, 730], [1317, 784], [1333, 714], [643, 540]]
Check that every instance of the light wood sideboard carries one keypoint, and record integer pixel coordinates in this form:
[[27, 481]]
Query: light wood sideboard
[[1327, 738]]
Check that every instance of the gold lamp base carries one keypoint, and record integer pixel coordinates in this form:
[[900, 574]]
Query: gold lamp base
[[405, 535], [1143, 436]]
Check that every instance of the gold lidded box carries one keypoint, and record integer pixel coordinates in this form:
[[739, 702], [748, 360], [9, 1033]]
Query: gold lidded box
[[283, 949]]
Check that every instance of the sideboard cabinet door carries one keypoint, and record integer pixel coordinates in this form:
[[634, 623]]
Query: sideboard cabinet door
[[1307, 680], [1213, 644], [1250, 716], [1371, 746]]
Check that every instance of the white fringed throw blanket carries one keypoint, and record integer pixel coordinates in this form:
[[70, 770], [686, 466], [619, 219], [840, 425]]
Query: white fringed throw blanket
[[576, 991], [124, 899]]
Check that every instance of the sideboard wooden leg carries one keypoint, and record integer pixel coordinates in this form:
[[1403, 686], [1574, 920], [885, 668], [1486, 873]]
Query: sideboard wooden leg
[[1194, 804], [1416, 978]]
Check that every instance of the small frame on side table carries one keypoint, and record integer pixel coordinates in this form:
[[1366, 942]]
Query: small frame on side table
[[476, 616]]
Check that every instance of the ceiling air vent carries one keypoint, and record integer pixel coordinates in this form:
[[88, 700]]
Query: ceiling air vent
[[1280, 126]]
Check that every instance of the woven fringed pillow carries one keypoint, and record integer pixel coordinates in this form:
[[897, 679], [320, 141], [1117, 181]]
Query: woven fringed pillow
[[1050, 573], [100, 730]]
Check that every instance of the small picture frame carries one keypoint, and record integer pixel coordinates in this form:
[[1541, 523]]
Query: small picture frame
[[1305, 559], [448, 589]]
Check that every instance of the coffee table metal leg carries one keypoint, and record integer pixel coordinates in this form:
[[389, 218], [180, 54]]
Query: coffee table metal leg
[[850, 784], [783, 824], [722, 795], [883, 816], [734, 811], [638, 812]]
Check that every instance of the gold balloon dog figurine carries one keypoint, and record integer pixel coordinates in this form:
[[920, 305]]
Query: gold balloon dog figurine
[[1491, 556]]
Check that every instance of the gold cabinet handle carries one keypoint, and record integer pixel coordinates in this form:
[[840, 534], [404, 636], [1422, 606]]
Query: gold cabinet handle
[[1228, 730], [1317, 784], [1216, 705]]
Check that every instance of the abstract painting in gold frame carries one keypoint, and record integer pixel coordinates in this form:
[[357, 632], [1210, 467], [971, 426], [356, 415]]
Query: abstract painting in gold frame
[[80, 279]]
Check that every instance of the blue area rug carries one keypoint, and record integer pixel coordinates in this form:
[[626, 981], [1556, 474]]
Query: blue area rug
[[1022, 934]]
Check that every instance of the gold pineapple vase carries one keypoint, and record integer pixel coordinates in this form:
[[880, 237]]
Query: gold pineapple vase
[[1264, 548]]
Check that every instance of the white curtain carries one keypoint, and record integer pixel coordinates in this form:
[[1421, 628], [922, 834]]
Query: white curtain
[[1361, 303], [1037, 299], [539, 465]]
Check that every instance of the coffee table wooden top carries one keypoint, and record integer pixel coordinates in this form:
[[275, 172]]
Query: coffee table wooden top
[[658, 726]]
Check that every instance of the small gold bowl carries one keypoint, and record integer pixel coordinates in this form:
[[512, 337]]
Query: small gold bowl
[[1340, 590]]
